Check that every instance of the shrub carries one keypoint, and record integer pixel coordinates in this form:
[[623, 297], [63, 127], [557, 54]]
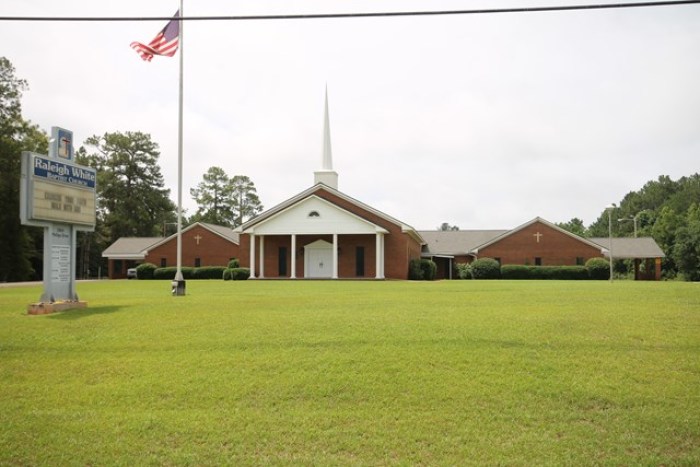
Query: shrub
[[429, 269], [169, 273], [234, 263], [239, 274], [517, 271], [422, 269], [208, 272], [486, 268], [464, 270], [227, 274], [598, 268], [415, 272], [145, 271]]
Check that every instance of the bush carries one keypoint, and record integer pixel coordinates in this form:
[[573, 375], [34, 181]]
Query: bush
[[227, 274], [486, 268], [422, 269], [234, 263], [145, 271], [464, 270], [415, 272], [598, 268], [429, 269], [239, 274], [516, 271], [208, 272], [169, 273]]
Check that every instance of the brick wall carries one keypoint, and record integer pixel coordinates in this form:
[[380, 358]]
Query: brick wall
[[198, 242], [554, 248], [399, 247]]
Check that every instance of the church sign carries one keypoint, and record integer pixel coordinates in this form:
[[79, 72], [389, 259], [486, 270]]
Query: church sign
[[59, 191], [59, 195]]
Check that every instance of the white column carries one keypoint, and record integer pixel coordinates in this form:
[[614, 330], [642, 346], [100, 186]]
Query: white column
[[252, 256], [293, 275], [335, 256], [379, 256], [262, 257]]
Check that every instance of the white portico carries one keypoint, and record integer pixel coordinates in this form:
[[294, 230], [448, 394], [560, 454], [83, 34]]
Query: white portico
[[323, 233], [320, 225]]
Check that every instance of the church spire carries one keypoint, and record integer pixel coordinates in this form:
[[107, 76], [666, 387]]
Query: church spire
[[326, 175], [327, 152]]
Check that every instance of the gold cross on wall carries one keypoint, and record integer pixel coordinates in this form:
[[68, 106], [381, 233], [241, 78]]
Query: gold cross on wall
[[198, 238], [538, 235]]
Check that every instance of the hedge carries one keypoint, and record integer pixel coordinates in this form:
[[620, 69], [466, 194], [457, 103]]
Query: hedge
[[464, 270], [422, 269], [486, 268], [234, 263], [208, 272], [517, 271], [205, 272], [145, 271], [598, 268]]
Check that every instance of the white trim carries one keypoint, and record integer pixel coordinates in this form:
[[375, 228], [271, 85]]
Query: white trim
[[293, 275], [252, 256], [262, 257]]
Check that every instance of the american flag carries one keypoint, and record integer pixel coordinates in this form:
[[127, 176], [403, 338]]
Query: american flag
[[165, 42]]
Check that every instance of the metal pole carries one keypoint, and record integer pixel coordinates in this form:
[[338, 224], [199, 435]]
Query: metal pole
[[179, 286], [610, 251]]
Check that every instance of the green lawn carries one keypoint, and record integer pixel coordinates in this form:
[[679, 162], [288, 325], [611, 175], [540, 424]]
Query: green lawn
[[361, 373]]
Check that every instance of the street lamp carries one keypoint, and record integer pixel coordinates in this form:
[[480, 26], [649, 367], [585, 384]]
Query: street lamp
[[610, 250], [633, 219]]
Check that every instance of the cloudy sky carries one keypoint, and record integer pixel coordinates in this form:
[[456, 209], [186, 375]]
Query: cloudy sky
[[482, 121]]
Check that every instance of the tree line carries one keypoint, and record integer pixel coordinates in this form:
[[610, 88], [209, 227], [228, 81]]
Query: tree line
[[132, 200], [666, 210]]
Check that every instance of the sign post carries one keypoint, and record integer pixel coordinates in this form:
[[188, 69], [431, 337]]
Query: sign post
[[59, 195]]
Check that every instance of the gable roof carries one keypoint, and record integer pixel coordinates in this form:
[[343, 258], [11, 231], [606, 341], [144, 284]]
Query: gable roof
[[310, 192], [631, 248], [138, 247], [456, 242], [534, 221], [130, 247]]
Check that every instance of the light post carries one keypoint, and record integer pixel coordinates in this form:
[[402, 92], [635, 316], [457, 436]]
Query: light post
[[634, 220], [610, 250]]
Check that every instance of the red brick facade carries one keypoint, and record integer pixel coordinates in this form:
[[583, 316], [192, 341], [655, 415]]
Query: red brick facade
[[399, 247], [540, 244], [200, 247]]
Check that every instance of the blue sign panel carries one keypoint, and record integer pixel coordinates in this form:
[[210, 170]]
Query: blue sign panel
[[70, 174]]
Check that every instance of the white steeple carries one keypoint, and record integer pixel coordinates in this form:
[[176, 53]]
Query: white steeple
[[326, 175]]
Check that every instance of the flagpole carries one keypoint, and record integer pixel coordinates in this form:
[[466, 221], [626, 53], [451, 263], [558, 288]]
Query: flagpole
[[179, 287]]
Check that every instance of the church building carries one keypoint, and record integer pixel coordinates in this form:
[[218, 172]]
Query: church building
[[322, 233]]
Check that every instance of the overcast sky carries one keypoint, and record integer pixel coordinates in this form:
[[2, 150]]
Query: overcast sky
[[482, 121]]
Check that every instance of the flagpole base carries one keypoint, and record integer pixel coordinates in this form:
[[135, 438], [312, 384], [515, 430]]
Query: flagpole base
[[177, 288]]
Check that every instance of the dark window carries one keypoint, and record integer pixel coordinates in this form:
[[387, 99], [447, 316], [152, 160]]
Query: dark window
[[117, 266], [197, 262], [360, 261], [163, 262], [538, 261], [282, 262], [579, 261]]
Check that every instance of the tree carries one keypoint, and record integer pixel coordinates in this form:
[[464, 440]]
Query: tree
[[214, 198], [445, 227], [131, 198], [245, 203], [17, 242], [575, 226], [686, 249]]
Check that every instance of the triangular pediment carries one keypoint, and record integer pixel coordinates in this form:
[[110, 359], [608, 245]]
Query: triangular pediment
[[314, 215]]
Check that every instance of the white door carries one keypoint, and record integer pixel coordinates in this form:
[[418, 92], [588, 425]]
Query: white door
[[318, 260]]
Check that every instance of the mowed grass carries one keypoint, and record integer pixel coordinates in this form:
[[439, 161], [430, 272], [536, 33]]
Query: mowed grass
[[360, 373]]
